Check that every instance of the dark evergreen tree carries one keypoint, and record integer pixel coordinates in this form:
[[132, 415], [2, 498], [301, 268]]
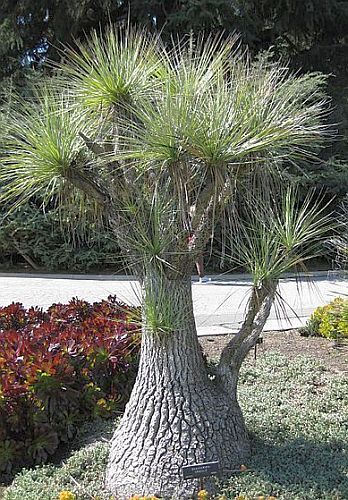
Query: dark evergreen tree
[[31, 30]]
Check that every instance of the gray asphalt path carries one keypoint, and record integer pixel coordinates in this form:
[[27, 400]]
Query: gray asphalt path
[[219, 305]]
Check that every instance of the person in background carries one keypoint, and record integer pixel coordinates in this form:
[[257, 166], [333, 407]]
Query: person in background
[[200, 270], [200, 261]]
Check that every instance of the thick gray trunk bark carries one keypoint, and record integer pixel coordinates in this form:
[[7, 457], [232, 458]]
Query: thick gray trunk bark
[[176, 415]]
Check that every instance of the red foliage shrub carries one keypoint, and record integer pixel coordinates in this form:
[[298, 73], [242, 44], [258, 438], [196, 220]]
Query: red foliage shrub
[[58, 368]]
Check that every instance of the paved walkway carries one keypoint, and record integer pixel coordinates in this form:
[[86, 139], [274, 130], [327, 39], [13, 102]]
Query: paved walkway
[[219, 305]]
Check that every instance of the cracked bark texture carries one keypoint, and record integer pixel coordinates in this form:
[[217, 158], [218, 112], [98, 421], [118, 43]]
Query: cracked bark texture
[[177, 415]]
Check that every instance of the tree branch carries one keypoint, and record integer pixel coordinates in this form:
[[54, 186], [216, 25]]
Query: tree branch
[[123, 176], [209, 203], [258, 324], [96, 148], [238, 347], [85, 182], [25, 256]]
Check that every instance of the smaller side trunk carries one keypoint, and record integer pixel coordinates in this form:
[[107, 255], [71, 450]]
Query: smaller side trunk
[[234, 353], [176, 415]]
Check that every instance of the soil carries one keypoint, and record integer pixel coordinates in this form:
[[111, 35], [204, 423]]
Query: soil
[[332, 355]]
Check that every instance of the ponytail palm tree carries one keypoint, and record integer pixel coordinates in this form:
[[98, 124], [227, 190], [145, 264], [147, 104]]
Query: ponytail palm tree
[[160, 140]]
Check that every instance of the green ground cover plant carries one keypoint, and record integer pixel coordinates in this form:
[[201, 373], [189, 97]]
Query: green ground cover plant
[[297, 413], [73, 363], [330, 321]]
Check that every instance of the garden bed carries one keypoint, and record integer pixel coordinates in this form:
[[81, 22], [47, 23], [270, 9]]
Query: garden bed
[[59, 368], [295, 408], [333, 355]]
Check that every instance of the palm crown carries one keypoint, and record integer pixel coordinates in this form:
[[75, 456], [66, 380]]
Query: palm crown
[[150, 132]]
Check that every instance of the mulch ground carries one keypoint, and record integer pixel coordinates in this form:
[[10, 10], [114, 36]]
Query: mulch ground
[[290, 343]]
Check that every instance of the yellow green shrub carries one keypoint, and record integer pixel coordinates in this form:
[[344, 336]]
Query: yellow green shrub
[[330, 321]]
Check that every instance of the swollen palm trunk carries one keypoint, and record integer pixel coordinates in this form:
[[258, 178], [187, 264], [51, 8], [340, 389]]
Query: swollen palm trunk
[[176, 415]]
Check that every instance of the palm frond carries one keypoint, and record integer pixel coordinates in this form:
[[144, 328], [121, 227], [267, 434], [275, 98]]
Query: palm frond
[[42, 143], [249, 114], [339, 243], [276, 238], [195, 65], [113, 68]]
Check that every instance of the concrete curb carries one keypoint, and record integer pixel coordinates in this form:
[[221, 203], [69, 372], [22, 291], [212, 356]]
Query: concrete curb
[[124, 277], [271, 325]]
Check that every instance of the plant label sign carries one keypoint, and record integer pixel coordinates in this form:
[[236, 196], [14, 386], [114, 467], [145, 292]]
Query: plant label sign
[[200, 470]]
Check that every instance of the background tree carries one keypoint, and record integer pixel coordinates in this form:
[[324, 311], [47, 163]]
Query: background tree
[[147, 133]]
